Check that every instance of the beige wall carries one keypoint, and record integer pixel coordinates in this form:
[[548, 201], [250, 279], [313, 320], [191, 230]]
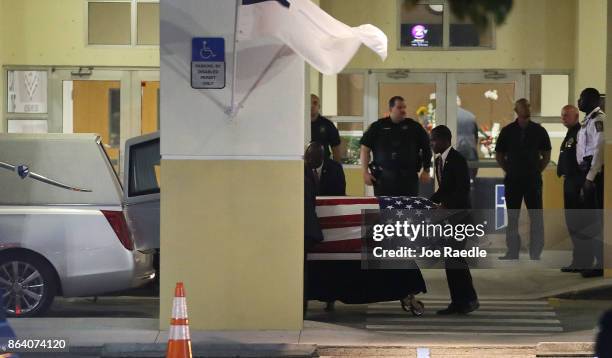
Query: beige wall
[[608, 155], [53, 33], [529, 39], [590, 63], [2, 99]]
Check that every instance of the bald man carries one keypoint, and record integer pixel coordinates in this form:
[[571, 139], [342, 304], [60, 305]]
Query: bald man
[[572, 183]]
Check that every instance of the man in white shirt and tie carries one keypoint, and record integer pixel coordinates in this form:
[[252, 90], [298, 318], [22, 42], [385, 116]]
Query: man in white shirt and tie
[[590, 156]]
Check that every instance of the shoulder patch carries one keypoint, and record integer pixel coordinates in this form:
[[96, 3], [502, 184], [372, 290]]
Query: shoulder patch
[[599, 126]]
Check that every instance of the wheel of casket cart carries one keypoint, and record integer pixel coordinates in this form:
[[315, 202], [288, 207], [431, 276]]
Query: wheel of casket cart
[[412, 305]]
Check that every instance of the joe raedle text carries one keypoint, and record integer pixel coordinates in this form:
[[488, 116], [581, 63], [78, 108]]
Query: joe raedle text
[[426, 253]]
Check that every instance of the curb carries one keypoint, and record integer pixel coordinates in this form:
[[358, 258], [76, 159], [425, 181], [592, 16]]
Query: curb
[[128, 350], [206, 350], [565, 349]]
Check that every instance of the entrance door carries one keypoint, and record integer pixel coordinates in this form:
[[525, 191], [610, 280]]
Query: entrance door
[[486, 100], [146, 89], [116, 104], [425, 96], [96, 108]]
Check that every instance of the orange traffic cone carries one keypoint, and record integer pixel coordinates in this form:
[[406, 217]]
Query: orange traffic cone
[[179, 340]]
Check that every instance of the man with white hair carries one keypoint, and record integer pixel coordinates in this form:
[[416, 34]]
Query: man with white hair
[[467, 136]]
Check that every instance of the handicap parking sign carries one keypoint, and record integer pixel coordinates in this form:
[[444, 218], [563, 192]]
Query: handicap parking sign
[[208, 62]]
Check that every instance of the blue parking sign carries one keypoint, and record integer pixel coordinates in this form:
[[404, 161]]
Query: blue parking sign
[[208, 49], [208, 62]]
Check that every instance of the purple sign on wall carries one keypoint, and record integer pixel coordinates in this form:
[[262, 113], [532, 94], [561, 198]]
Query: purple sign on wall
[[419, 35]]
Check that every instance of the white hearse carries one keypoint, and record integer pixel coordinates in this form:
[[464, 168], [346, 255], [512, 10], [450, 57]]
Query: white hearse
[[67, 225]]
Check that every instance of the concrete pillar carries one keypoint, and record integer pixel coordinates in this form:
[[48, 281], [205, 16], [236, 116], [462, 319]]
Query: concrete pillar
[[232, 197], [608, 157], [3, 31]]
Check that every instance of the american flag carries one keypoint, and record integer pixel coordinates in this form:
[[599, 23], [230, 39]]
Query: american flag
[[342, 218]]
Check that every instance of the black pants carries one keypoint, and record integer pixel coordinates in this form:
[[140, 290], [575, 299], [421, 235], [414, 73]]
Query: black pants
[[577, 219], [459, 277], [593, 230], [530, 190], [396, 183]]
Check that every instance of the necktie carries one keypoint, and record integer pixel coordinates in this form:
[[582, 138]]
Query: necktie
[[439, 169], [316, 178]]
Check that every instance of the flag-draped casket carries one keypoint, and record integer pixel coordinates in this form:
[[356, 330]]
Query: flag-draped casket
[[334, 266]]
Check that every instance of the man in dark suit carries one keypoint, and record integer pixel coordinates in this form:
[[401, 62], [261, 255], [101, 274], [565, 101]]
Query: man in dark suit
[[326, 178], [327, 173], [453, 194], [312, 228]]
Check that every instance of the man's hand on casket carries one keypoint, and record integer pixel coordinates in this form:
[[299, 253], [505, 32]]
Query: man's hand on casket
[[425, 177], [368, 178]]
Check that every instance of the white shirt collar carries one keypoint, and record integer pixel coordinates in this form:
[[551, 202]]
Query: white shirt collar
[[319, 170], [445, 154], [592, 113]]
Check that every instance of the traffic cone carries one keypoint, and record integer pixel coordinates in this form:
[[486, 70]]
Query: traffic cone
[[179, 340]]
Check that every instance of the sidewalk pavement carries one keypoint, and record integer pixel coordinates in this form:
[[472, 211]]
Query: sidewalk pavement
[[346, 333]]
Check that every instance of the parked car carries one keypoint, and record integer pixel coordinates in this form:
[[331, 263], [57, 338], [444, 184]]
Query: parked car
[[67, 226]]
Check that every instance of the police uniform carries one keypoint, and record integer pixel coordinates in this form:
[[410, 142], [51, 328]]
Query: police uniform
[[523, 181], [590, 158], [573, 180], [323, 131], [400, 150]]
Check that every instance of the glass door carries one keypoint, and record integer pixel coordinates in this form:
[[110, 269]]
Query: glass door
[[145, 91], [116, 104], [479, 105]]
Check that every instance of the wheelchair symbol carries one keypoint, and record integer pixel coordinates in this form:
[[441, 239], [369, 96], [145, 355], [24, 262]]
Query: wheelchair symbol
[[206, 53]]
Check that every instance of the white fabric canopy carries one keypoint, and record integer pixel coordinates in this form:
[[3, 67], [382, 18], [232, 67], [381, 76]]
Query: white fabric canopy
[[324, 42]]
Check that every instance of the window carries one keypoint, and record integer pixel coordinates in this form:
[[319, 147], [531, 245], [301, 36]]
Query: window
[[109, 23], [26, 101], [350, 135], [126, 23], [27, 92], [342, 100], [429, 24], [27, 126], [144, 168], [548, 94], [422, 25], [463, 33], [114, 117], [148, 24]]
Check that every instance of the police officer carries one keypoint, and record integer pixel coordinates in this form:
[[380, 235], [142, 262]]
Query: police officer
[[401, 148], [590, 157], [568, 168], [323, 131], [523, 152]]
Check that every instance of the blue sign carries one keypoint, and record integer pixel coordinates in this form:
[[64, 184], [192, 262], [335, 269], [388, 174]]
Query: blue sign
[[501, 215], [208, 49], [208, 62]]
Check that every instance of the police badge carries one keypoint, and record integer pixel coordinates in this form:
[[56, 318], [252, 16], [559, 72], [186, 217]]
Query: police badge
[[570, 143]]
